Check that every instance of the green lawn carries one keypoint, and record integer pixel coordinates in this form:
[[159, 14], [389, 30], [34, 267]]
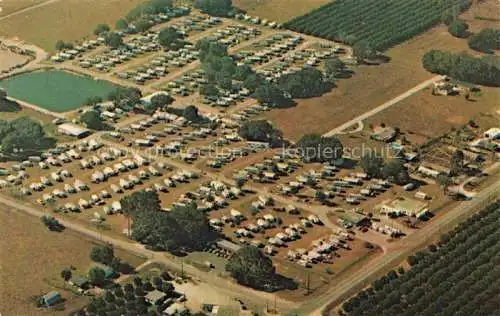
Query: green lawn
[[56, 91]]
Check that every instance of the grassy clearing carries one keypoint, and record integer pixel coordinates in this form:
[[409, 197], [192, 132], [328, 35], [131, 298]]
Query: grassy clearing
[[67, 20], [278, 10], [32, 259]]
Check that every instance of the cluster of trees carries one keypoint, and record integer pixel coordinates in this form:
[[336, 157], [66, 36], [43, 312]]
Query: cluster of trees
[[128, 299], [62, 45], [305, 83], [334, 68], [23, 137], [250, 267], [316, 148], [105, 254], [376, 167], [145, 9], [113, 40], [215, 7], [458, 28], [101, 29], [270, 94], [261, 131], [92, 119], [190, 113], [52, 223], [486, 41], [459, 276], [7, 105], [219, 67], [125, 97], [182, 229], [97, 276], [159, 101], [171, 39], [462, 67], [386, 22]]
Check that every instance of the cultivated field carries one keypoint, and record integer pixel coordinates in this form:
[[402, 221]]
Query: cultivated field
[[32, 259], [383, 23], [68, 20], [278, 10]]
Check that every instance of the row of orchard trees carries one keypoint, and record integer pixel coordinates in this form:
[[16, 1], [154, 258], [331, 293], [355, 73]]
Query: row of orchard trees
[[381, 23], [458, 276]]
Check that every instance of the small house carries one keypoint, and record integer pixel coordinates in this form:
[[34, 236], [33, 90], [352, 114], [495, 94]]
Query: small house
[[155, 297]]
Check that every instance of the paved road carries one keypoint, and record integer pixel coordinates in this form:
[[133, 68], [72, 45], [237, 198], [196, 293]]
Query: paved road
[[382, 107], [400, 250]]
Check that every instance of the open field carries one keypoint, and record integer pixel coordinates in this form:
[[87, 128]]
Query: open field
[[56, 91], [369, 87], [32, 259], [278, 10], [11, 6], [67, 20], [428, 116]]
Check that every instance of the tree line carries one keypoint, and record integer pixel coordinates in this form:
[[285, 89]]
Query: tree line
[[462, 67], [216, 7]]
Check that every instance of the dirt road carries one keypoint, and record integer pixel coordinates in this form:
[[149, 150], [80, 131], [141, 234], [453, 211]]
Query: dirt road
[[382, 107]]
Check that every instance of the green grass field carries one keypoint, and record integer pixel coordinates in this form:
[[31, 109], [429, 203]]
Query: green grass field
[[56, 91]]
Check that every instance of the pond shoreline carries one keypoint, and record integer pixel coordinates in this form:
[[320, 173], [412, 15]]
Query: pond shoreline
[[55, 91]]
